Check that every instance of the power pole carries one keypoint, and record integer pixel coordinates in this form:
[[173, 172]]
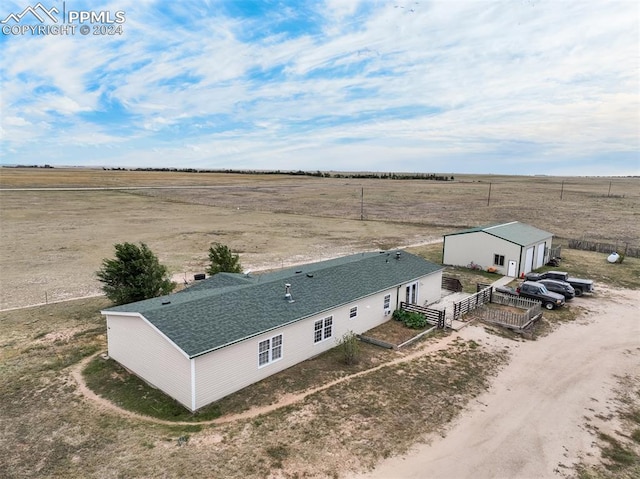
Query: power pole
[[362, 205], [489, 197]]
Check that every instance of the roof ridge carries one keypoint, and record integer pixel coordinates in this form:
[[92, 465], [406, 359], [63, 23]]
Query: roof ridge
[[502, 224]]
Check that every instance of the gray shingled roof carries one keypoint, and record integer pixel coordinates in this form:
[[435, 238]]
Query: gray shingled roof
[[225, 309], [515, 232]]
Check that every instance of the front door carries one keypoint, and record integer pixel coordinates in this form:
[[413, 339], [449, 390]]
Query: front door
[[511, 270], [412, 293]]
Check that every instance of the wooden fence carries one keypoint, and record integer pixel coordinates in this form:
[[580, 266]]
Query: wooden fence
[[530, 309], [516, 301], [434, 317], [472, 302], [451, 284], [621, 248], [510, 319]]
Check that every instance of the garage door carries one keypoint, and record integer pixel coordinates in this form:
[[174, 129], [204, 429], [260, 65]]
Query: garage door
[[528, 260], [540, 257]]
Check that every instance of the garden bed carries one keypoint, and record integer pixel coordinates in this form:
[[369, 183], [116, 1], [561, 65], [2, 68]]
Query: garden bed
[[393, 333]]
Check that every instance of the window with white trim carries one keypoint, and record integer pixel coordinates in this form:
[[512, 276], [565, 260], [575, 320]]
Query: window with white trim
[[387, 302], [323, 329], [270, 350], [353, 312]]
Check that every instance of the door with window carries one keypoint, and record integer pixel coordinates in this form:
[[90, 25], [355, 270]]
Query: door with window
[[411, 296]]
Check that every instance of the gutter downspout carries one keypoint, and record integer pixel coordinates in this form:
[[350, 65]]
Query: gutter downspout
[[193, 384]]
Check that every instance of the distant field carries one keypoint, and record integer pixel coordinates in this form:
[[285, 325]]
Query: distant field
[[53, 241]]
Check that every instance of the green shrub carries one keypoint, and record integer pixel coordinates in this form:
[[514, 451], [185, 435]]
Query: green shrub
[[349, 347], [415, 321], [410, 319]]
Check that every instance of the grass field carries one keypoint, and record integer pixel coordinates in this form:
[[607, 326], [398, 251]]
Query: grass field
[[54, 241]]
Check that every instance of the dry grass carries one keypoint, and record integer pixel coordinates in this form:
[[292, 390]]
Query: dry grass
[[49, 431], [619, 439], [53, 241]]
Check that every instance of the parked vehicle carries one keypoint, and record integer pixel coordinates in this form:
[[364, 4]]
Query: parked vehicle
[[537, 291], [580, 286], [560, 287]]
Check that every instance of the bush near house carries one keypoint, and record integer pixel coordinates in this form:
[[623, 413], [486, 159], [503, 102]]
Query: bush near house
[[349, 348], [410, 319]]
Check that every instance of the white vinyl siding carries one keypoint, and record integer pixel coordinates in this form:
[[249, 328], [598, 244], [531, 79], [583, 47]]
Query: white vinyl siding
[[482, 248], [136, 345], [143, 350], [230, 369], [479, 247]]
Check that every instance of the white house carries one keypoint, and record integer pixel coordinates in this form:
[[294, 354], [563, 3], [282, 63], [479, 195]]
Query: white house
[[512, 248], [232, 330]]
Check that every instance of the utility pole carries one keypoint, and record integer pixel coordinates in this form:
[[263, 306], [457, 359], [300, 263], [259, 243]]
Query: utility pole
[[562, 189], [362, 205], [489, 197]]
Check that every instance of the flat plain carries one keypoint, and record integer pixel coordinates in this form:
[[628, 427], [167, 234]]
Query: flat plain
[[55, 233], [58, 224]]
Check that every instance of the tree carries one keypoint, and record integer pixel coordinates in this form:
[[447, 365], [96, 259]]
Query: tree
[[135, 274], [223, 260]]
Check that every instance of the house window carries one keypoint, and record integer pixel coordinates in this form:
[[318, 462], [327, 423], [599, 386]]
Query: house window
[[498, 259], [270, 350], [387, 302], [353, 312], [323, 329]]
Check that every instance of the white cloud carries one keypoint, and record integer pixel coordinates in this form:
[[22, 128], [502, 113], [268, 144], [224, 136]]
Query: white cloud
[[373, 81]]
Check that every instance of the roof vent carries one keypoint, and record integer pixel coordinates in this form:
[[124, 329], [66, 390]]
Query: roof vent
[[309, 275], [287, 293], [397, 254], [164, 303]]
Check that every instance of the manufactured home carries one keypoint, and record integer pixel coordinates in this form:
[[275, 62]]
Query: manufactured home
[[232, 330]]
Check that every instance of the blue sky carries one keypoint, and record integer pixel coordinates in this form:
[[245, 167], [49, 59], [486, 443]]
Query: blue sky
[[477, 86]]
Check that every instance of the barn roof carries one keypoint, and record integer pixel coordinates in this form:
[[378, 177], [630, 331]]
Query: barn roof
[[515, 232], [228, 308]]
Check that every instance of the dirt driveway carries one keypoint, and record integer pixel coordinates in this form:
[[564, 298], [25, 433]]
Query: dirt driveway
[[538, 418]]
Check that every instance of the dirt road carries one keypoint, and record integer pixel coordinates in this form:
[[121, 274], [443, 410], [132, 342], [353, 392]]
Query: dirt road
[[537, 419]]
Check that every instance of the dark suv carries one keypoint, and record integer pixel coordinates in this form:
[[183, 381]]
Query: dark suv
[[579, 285], [537, 291], [560, 287]]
